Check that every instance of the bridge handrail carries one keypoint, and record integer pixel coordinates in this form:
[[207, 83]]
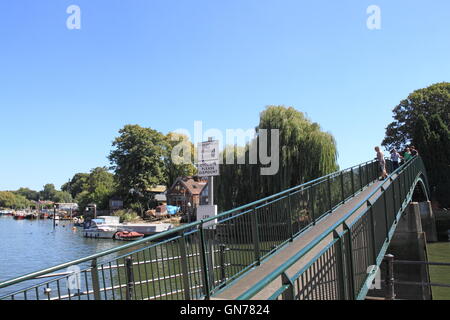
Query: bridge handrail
[[286, 265], [175, 231]]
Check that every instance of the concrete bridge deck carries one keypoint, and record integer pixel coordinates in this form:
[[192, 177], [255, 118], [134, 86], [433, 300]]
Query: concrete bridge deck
[[269, 265]]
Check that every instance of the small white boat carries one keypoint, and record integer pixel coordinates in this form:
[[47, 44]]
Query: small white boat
[[147, 228]]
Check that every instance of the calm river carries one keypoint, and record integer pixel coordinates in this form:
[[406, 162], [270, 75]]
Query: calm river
[[28, 246]]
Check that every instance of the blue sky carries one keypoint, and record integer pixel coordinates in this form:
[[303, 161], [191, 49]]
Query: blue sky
[[164, 64]]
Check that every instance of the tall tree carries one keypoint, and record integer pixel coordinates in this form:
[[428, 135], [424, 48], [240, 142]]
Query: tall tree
[[48, 193], [138, 159], [423, 120], [98, 188], [305, 153], [77, 184]]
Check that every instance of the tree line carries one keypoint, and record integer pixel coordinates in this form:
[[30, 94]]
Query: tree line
[[423, 120]]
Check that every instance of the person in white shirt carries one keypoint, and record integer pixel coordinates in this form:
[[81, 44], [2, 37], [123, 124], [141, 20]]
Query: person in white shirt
[[395, 158]]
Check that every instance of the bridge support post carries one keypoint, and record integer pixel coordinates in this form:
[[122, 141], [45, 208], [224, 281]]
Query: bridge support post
[[390, 291], [428, 221], [95, 280], [408, 244]]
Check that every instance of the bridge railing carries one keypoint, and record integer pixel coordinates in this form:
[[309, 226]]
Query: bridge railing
[[195, 260], [347, 253]]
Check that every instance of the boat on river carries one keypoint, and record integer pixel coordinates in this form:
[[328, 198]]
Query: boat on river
[[128, 236], [20, 215], [102, 227], [147, 229], [6, 213]]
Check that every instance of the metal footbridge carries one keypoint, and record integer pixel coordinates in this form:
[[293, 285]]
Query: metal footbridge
[[315, 241]]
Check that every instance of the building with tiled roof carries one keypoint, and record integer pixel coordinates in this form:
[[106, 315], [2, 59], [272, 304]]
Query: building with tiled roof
[[185, 191]]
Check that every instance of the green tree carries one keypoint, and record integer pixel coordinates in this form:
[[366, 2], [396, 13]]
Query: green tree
[[139, 162], [179, 157], [305, 153], [96, 187], [15, 201], [62, 197], [77, 184], [28, 193], [423, 120], [48, 193]]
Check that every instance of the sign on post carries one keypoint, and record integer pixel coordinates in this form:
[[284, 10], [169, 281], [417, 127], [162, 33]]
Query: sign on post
[[208, 158]]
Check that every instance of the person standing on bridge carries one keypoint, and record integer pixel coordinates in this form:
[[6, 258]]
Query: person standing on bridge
[[381, 163], [407, 156], [395, 158]]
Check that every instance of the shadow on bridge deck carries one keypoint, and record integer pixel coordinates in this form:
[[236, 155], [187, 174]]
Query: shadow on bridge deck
[[268, 266]]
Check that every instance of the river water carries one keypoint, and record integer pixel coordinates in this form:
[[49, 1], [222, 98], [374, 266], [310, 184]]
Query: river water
[[31, 245]]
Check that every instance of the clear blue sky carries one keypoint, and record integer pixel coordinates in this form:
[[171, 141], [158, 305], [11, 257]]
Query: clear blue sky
[[163, 63]]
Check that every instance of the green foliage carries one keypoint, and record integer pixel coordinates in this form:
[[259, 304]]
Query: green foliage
[[126, 215], [423, 119], [28, 193], [77, 184], [48, 193], [306, 153], [96, 187], [179, 147], [15, 201], [139, 159]]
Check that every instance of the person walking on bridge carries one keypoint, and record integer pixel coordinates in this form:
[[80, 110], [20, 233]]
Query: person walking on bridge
[[395, 158], [381, 163]]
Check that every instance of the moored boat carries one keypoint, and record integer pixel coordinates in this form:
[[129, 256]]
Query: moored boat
[[20, 215], [102, 227], [128, 236], [147, 229]]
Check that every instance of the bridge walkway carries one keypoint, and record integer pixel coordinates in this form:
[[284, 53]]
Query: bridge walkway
[[249, 279]]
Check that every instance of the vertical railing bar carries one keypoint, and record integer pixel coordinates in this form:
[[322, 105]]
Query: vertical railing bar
[[95, 280], [204, 263], [118, 277], [353, 182], [111, 278], [104, 282], [86, 282], [340, 265], [155, 292], [139, 262], [383, 190], [184, 267], [329, 194], [349, 253], [372, 224], [129, 278], [255, 232]]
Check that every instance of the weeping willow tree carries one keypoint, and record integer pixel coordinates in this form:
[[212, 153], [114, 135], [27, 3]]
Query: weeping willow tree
[[305, 153]]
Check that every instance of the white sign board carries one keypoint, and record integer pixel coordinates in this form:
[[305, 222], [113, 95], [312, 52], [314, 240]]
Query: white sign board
[[208, 151], [208, 169], [205, 212]]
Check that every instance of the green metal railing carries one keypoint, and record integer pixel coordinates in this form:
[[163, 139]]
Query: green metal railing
[[196, 260], [340, 268]]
